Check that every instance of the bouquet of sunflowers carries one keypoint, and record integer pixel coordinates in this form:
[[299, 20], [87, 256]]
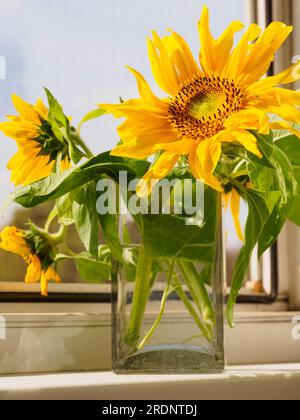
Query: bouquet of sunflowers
[[219, 121]]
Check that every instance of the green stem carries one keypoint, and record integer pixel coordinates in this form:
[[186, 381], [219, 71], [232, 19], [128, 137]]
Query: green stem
[[198, 291], [54, 238], [140, 298], [181, 293], [89, 153], [58, 238], [51, 217], [162, 309], [69, 251]]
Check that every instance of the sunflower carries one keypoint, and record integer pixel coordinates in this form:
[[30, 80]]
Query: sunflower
[[37, 145], [39, 266], [221, 99]]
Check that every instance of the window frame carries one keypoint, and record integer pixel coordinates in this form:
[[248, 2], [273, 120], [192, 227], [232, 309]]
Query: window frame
[[261, 11]]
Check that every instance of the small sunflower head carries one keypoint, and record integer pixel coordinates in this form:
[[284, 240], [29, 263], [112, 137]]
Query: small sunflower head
[[50, 146], [40, 245], [45, 139], [37, 251]]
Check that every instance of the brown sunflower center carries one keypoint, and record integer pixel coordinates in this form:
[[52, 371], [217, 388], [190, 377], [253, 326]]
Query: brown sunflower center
[[202, 106]]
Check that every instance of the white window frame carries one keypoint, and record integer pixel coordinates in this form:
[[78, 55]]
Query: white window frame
[[46, 337]]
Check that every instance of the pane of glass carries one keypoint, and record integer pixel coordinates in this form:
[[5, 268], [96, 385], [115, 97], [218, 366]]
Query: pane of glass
[[79, 50], [261, 276]]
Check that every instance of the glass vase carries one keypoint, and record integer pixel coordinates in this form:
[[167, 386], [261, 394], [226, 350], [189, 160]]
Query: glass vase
[[167, 294]]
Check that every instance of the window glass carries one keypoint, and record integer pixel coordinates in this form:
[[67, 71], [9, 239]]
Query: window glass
[[79, 50]]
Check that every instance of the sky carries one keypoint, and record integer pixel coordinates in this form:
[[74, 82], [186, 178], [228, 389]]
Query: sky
[[79, 50]]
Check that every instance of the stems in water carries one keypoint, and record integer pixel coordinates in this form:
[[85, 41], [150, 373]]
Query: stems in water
[[140, 298], [166, 294]]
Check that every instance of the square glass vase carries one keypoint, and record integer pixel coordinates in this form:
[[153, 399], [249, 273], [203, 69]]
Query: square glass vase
[[168, 295]]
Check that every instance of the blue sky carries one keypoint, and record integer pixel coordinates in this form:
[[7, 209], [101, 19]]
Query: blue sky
[[78, 49]]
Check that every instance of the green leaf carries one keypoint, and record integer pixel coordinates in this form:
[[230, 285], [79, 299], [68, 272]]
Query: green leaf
[[97, 113], [62, 129], [294, 214], [168, 236], [269, 207], [64, 207], [110, 227], [290, 145], [240, 152], [258, 214], [56, 113], [56, 185], [86, 218], [93, 271], [287, 185], [262, 178], [89, 269], [74, 153]]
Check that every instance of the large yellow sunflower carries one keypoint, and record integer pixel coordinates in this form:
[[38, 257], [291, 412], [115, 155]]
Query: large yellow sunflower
[[37, 145], [217, 100], [15, 240]]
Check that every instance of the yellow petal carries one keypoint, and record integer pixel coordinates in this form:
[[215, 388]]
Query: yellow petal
[[285, 96], [142, 144], [215, 53], [42, 109], [181, 56], [13, 240], [19, 129], [181, 147], [44, 284], [47, 276], [243, 137], [290, 75], [26, 110], [145, 90], [287, 112], [262, 52], [51, 275], [27, 167], [14, 118], [249, 119], [235, 65], [159, 170], [203, 161], [235, 210], [284, 126], [162, 68], [134, 149], [274, 97], [226, 200], [33, 274], [65, 164]]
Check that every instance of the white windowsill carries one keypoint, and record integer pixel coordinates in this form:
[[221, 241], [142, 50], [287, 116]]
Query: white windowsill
[[270, 382], [57, 342]]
